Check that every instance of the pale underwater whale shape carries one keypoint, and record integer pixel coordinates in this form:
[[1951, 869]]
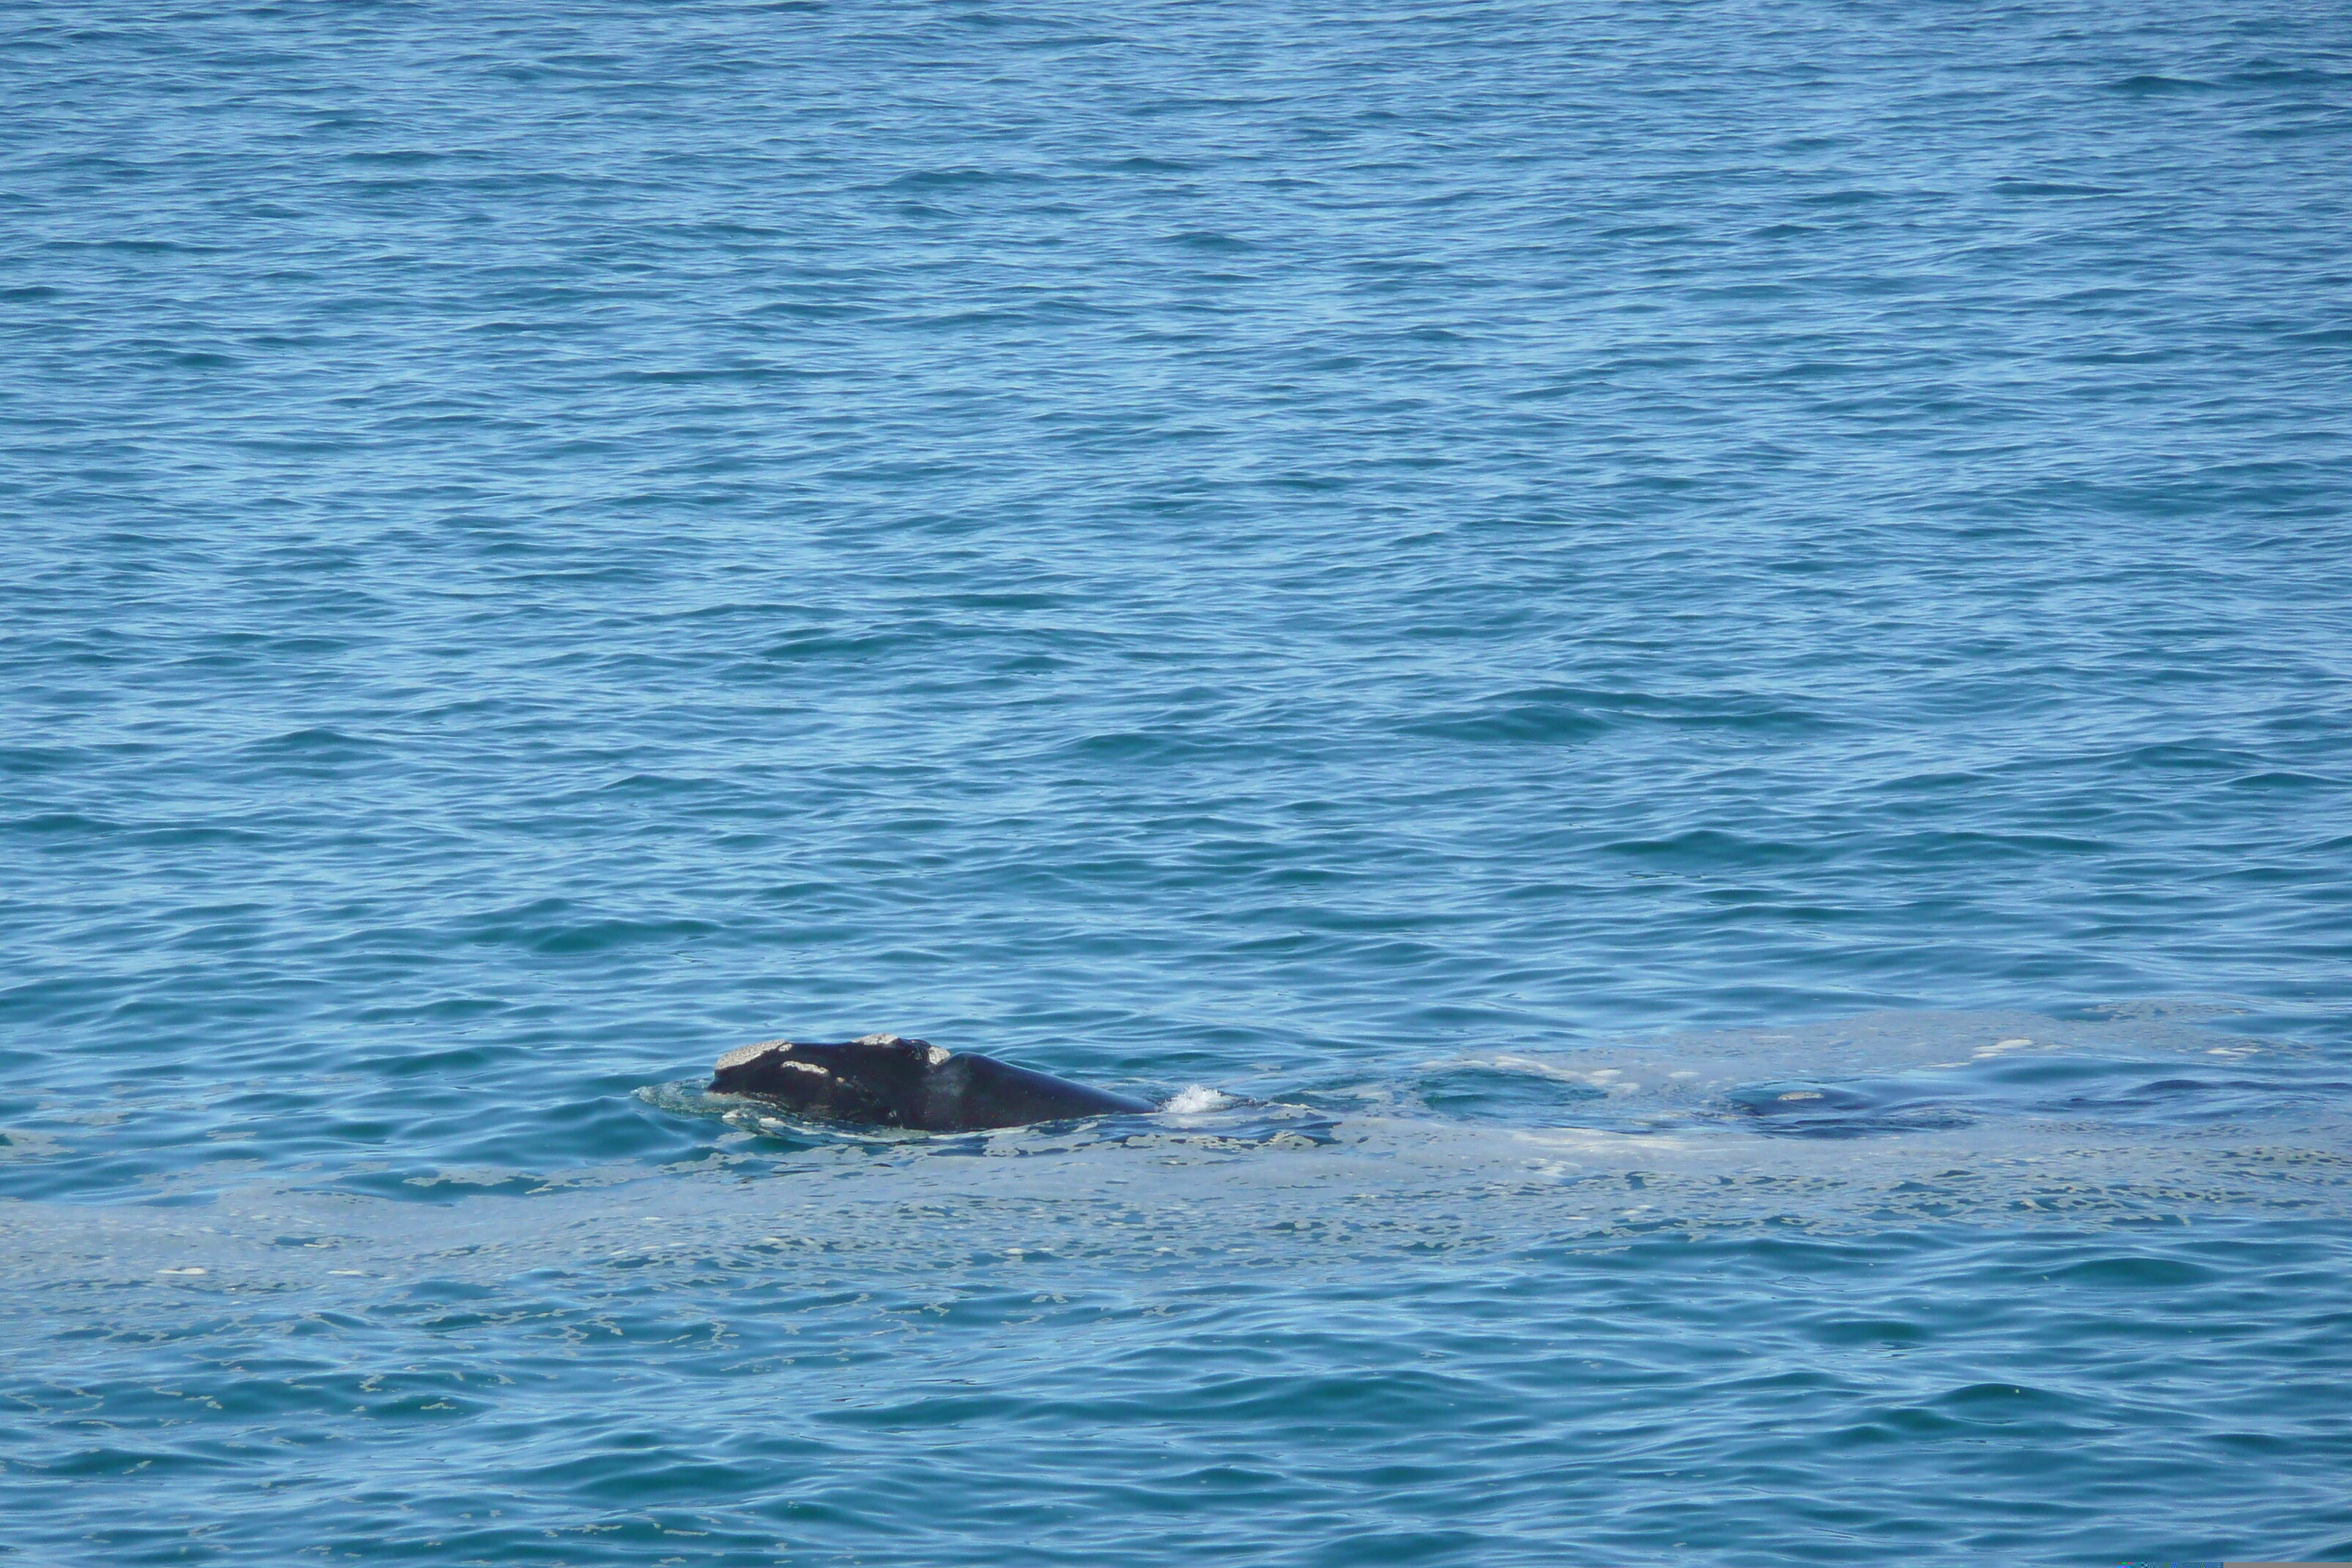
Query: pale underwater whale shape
[[882, 1080]]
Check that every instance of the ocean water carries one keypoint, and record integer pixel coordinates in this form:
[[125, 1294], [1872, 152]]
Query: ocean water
[[1692, 657]]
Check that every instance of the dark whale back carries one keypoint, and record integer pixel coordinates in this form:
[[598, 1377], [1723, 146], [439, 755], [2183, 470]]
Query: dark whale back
[[883, 1080]]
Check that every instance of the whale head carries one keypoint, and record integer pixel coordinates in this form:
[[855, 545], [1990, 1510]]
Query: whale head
[[876, 1079]]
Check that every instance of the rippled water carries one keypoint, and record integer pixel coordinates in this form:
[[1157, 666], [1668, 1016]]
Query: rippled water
[[1699, 650]]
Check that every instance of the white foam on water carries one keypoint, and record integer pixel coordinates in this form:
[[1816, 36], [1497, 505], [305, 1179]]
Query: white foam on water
[[1675, 1151]]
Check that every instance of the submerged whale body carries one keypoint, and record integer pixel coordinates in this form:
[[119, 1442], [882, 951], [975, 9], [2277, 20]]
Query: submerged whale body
[[882, 1080]]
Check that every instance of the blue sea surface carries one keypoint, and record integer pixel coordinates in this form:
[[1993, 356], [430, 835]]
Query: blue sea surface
[[1679, 671]]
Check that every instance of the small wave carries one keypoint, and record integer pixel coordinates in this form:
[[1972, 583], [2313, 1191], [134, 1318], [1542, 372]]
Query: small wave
[[315, 744], [2153, 86], [49, 822]]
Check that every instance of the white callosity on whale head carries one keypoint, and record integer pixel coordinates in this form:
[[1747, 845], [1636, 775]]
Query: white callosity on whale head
[[806, 1066], [742, 1054], [933, 1056]]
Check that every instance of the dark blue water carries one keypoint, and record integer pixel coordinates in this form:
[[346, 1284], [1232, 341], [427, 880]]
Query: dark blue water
[[1707, 646]]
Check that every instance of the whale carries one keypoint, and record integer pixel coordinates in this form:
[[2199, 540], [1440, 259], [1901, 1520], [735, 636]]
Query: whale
[[885, 1080]]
